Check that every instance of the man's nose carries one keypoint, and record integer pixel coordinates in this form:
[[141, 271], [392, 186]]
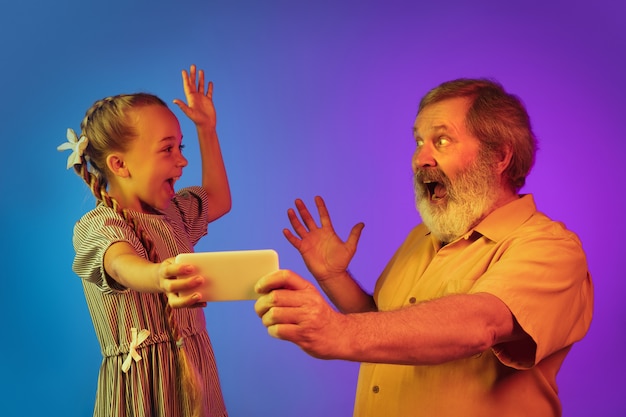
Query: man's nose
[[424, 157]]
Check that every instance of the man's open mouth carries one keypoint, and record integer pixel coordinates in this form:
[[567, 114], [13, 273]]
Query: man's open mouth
[[436, 190]]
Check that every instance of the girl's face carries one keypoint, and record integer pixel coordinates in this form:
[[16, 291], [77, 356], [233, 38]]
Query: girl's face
[[153, 163]]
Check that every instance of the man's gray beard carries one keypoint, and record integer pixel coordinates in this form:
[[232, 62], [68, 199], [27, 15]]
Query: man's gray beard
[[471, 196]]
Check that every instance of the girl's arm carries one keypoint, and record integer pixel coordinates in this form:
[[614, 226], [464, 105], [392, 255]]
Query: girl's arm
[[200, 109], [214, 179], [126, 267]]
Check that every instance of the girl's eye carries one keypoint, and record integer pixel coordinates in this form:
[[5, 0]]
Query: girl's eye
[[170, 149]]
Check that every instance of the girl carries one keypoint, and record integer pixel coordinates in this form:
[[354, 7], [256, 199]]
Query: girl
[[157, 356]]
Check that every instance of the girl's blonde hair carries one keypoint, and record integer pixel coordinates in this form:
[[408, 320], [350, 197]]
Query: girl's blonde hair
[[108, 128]]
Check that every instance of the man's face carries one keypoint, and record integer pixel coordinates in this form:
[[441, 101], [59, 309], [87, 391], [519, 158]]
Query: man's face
[[455, 184]]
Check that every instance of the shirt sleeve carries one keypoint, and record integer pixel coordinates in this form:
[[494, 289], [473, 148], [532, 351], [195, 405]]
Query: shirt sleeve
[[94, 233], [542, 277], [192, 207]]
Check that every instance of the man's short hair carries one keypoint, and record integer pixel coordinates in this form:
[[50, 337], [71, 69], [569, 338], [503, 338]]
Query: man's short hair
[[498, 119]]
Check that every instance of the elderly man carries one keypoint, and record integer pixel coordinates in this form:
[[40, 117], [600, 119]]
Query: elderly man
[[476, 311]]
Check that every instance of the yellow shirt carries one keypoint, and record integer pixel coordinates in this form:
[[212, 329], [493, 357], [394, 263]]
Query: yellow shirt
[[537, 268]]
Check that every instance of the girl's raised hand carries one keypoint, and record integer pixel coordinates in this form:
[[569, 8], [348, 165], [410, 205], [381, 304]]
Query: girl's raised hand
[[199, 107]]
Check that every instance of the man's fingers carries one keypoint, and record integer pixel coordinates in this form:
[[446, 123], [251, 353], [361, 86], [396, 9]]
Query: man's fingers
[[281, 315], [281, 279], [323, 211], [295, 223], [281, 298], [283, 331], [281, 289], [291, 238], [308, 220], [309, 223], [355, 234]]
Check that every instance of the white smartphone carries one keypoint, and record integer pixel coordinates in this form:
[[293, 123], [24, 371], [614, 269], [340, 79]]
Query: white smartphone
[[230, 275]]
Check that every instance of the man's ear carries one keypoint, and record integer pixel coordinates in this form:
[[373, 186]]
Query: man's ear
[[504, 159], [117, 166]]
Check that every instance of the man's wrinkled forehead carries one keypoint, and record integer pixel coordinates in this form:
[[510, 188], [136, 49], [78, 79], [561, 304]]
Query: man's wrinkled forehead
[[441, 129], [443, 117]]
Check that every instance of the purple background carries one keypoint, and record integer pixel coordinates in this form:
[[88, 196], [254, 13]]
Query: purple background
[[311, 99]]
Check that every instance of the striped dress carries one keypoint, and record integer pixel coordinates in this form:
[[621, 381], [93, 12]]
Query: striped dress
[[148, 388]]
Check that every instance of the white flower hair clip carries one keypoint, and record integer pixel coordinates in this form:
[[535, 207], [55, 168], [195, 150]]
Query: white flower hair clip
[[77, 145]]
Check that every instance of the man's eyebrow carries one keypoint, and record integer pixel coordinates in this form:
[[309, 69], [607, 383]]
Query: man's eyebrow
[[436, 129]]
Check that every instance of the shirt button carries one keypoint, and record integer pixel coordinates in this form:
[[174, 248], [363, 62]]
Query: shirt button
[[412, 300], [375, 389]]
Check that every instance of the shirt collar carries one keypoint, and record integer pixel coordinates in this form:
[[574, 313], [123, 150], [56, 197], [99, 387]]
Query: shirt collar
[[507, 218]]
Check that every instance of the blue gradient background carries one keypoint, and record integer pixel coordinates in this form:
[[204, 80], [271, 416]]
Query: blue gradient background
[[312, 99]]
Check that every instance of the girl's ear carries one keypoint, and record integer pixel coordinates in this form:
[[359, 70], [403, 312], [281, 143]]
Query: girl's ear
[[116, 165]]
